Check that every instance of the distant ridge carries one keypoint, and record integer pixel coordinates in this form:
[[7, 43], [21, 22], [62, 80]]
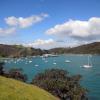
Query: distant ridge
[[92, 48], [21, 51]]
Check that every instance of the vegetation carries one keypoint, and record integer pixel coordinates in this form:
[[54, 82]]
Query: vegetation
[[11, 89], [1, 68], [13, 73], [59, 83], [17, 74], [92, 48], [56, 81], [21, 51]]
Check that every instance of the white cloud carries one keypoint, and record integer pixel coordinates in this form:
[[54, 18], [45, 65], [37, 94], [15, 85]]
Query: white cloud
[[7, 31], [25, 22], [86, 30], [20, 22], [49, 43], [43, 44]]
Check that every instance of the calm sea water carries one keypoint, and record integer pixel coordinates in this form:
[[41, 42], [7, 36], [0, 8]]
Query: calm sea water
[[91, 76]]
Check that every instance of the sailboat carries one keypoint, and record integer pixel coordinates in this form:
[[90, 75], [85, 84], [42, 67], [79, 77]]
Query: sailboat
[[88, 65]]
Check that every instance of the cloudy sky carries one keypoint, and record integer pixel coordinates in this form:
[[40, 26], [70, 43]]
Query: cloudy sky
[[49, 23]]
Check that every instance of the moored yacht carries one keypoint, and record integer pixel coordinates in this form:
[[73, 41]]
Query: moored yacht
[[89, 65]]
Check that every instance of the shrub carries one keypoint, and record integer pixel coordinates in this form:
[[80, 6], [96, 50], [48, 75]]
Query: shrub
[[1, 68], [59, 83], [17, 74]]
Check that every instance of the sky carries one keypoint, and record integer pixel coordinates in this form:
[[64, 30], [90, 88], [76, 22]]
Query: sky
[[48, 24]]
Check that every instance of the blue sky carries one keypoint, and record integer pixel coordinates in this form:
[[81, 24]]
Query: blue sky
[[59, 21]]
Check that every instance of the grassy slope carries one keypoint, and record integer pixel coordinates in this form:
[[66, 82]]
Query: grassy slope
[[11, 89]]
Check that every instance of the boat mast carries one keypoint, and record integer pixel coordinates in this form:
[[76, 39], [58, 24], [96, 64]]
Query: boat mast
[[88, 60]]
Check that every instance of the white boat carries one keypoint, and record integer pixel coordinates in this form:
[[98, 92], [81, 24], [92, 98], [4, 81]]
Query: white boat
[[67, 61], [49, 55], [54, 63], [30, 61], [89, 65], [36, 65]]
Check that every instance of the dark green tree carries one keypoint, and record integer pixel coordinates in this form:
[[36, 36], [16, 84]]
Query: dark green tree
[[61, 84], [1, 68], [17, 74]]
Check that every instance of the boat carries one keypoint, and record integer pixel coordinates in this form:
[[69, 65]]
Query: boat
[[36, 65], [30, 61], [89, 65], [54, 63], [67, 61], [49, 55]]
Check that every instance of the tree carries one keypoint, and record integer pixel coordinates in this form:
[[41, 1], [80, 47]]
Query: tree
[[59, 83], [17, 74], [1, 68]]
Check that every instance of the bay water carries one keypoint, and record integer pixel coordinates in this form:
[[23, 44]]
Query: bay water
[[90, 76]]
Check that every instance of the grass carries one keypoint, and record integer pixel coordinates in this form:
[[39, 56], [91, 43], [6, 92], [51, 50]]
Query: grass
[[11, 89]]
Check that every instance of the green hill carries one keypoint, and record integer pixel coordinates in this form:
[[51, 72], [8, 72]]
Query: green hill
[[21, 51], [92, 48], [11, 89]]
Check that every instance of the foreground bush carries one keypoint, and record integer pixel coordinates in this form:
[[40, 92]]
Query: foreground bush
[[17, 74], [1, 68], [59, 83]]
